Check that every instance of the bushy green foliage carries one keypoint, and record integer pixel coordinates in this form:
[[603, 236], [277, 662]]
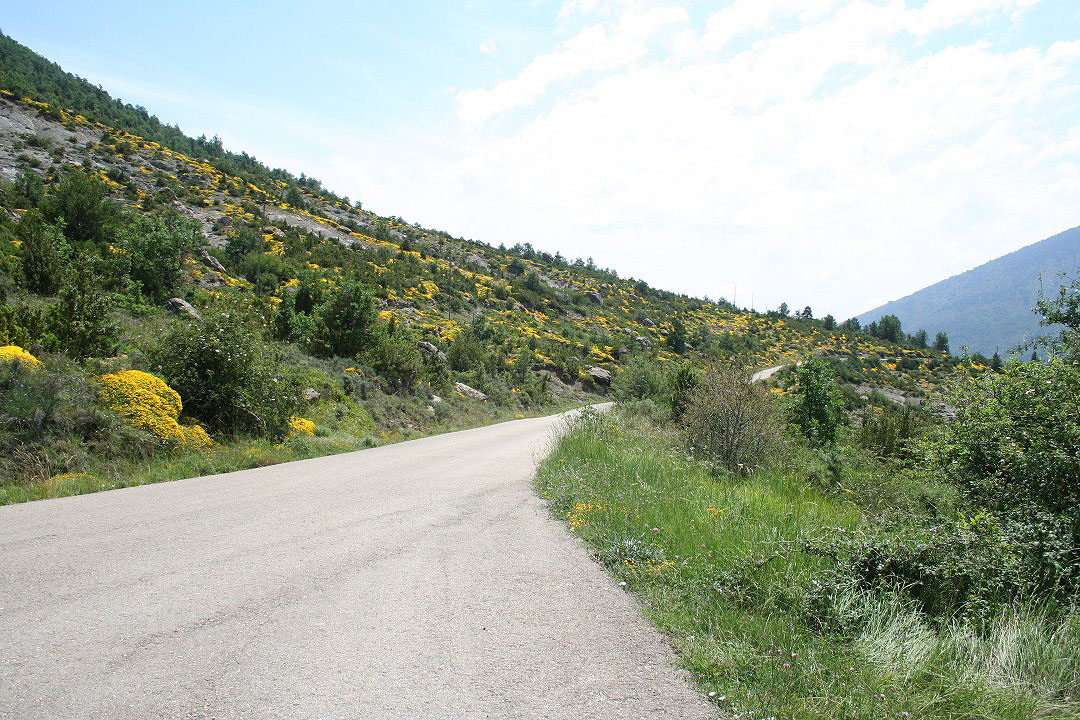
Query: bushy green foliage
[[889, 432], [394, 355], [27, 190], [81, 318], [639, 379], [887, 328], [152, 248], [1063, 311], [44, 253], [817, 408], [344, 322], [681, 381], [730, 422], [1015, 448], [676, 339], [83, 204], [25, 325], [228, 377]]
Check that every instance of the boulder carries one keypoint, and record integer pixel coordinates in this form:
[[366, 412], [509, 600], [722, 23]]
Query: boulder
[[430, 349], [212, 262], [311, 394], [648, 323], [599, 375], [594, 297], [180, 306], [435, 399], [469, 392], [644, 342]]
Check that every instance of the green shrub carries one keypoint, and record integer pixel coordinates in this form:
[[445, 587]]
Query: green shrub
[[81, 318], [730, 422], [44, 253], [153, 249], [890, 432], [82, 202], [25, 325], [818, 407], [394, 355], [1015, 449], [229, 378], [344, 322], [681, 380], [641, 378]]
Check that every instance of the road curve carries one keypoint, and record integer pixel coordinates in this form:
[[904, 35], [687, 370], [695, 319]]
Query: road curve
[[417, 580]]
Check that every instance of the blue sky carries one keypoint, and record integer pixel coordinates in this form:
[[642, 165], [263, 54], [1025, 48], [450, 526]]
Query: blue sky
[[832, 153]]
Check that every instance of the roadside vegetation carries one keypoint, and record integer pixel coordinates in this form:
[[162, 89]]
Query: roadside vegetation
[[818, 553]]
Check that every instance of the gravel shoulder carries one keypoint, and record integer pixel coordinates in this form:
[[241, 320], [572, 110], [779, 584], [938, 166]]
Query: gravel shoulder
[[422, 579]]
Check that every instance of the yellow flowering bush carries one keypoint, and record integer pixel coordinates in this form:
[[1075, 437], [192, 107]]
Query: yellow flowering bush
[[146, 401], [14, 352], [301, 426]]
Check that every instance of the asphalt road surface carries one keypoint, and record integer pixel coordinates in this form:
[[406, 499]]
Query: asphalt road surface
[[418, 580]]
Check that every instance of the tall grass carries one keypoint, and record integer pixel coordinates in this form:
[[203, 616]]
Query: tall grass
[[725, 566]]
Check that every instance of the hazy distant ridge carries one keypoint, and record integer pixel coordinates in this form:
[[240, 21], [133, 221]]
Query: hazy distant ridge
[[988, 308]]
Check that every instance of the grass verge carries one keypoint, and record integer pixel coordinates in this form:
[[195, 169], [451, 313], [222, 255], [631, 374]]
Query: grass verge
[[764, 626]]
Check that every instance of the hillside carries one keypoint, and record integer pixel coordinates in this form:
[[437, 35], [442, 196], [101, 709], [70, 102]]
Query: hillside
[[136, 262], [988, 309]]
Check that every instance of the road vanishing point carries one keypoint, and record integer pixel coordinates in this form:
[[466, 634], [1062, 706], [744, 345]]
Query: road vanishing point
[[418, 580]]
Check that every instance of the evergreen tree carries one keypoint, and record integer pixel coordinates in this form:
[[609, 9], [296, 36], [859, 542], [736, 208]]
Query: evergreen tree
[[43, 254], [345, 321], [81, 319], [84, 205], [889, 328], [941, 343], [676, 340]]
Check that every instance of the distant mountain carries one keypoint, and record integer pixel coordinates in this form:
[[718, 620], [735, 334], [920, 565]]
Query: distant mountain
[[989, 308]]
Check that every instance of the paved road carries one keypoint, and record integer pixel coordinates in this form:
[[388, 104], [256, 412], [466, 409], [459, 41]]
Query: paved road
[[419, 580], [769, 372]]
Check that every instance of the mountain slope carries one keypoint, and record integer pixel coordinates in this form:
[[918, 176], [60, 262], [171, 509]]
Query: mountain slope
[[989, 308]]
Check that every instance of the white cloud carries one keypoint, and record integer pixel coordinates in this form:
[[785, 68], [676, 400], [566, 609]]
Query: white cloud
[[596, 48], [825, 163], [489, 47]]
